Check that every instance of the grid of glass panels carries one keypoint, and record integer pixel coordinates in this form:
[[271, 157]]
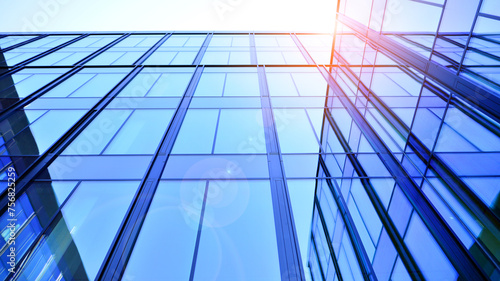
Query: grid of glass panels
[[222, 101]]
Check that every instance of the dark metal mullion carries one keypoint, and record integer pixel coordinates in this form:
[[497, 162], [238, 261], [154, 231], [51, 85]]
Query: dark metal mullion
[[446, 238], [286, 235], [387, 222], [63, 142], [203, 49], [356, 242], [328, 238], [445, 38], [24, 43]]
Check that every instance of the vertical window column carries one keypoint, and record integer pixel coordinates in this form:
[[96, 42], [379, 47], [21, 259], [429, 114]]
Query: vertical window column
[[288, 246]]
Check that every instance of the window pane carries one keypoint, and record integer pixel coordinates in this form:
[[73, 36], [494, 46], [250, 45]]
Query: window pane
[[238, 233], [142, 132], [174, 213], [197, 133], [240, 131], [74, 250]]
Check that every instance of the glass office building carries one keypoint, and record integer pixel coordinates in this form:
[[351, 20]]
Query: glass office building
[[368, 154]]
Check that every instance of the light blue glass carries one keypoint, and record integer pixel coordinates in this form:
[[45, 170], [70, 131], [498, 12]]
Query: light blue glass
[[429, 257], [366, 210], [301, 194], [140, 85], [82, 167], [25, 84], [142, 132], [197, 133], [295, 133], [385, 257], [240, 131], [170, 85], [184, 58], [13, 40], [97, 135], [216, 167], [215, 58], [94, 205], [211, 84], [106, 58], [361, 227], [281, 84], [238, 233], [300, 165], [241, 84], [175, 214], [53, 125], [128, 58], [270, 57], [160, 58], [69, 86]]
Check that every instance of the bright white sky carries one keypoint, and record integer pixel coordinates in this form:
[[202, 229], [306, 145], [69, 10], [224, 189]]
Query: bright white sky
[[173, 15]]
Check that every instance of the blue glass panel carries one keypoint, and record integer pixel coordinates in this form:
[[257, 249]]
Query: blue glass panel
[[97, 135], [161, 58], [99, 167], [106, 58], [216, 167], [281, 84], [74, 241], [400, 210], [238, 233], [384, 259], [52, 125], [142, 132], [300, 165], [366, 210], [242, 84], [400, 272], [98, 86], [429, 257], [174, 213], [197, 133], [295, 131], [170, 85], [239, 58], [184, 58], [140, 85], [215, 58], [240, 131], [211, 84], [302, 198], [69, 85]]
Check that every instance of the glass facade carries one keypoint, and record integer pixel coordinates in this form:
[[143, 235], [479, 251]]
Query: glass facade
[[368, 154]]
